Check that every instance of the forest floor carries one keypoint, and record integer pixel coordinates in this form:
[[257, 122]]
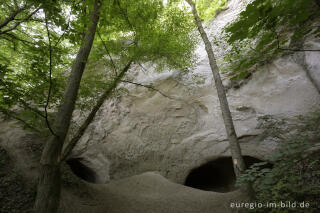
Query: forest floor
[[16, 193]]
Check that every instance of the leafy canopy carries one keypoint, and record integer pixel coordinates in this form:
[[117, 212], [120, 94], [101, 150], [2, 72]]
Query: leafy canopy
[[24, 57], [138, 30], [267, 28], [208, 8]]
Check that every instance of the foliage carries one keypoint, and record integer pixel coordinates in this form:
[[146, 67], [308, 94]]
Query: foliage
[[296, 171], [208, 8], [142, 31], [24, 60], [146, 31], [268, 28]]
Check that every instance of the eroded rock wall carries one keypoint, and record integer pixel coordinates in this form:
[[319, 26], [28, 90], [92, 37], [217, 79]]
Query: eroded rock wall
[[182, 128]]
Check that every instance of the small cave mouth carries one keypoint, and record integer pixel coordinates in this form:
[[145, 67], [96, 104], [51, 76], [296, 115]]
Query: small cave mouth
[[81, 170], [217, 175]]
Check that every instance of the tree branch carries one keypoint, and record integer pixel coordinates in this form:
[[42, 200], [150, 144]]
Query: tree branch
[[64, 32], [18, 39], [13, 15], [105, 47], [18, 23], [13, 115], [149, 87], [26, 105], [7, 39], [286, 49], [144, 69], [125, 14], [71, 144], [50, 78]]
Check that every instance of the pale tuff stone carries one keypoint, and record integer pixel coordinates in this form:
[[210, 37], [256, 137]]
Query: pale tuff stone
[[145, 131]]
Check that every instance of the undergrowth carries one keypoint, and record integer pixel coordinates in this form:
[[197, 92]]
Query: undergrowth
[[295, 176]]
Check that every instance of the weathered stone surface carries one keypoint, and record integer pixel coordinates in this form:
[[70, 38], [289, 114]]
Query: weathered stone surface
[[146, 131], [150, 192], [147, 192], [19, 143], [312, 61], [174, 133]]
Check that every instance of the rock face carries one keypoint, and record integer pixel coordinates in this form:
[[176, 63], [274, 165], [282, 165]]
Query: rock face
[[181, 128]]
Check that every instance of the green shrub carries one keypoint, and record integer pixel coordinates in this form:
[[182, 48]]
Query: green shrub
[[209, 8], [266, 29], [295, 175]]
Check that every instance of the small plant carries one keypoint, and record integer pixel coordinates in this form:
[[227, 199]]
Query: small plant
[[295, 175]]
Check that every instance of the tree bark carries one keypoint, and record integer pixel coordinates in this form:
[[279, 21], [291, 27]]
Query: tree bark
[[70, 145], [238, 162], [48, 192]]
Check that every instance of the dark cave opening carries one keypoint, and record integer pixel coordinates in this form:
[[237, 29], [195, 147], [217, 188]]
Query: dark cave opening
[[217, 175], [81, 170]]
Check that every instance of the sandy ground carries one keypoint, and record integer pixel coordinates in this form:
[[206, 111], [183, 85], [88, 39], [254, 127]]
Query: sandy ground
[[151, 193]]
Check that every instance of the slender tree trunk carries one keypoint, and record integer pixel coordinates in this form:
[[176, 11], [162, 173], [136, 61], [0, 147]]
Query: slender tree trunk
[[71, 144], [48, 192], [238, 162]]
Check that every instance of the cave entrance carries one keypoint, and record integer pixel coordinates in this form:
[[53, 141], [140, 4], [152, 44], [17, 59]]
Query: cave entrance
[[217, 175], [81, 170]]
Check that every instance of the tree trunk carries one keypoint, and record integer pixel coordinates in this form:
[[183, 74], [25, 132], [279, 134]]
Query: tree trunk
[[103, 97], [238, 162], [48, 192]]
